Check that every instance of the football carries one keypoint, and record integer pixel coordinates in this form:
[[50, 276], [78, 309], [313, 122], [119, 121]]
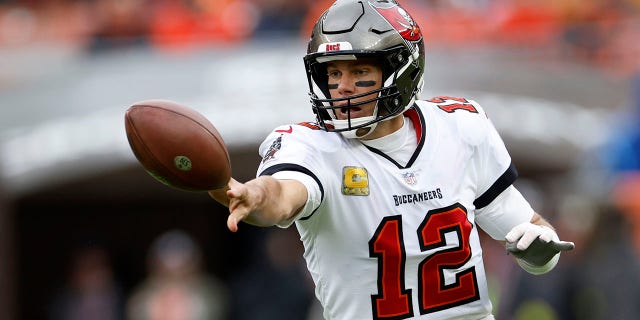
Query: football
[[177, 145]]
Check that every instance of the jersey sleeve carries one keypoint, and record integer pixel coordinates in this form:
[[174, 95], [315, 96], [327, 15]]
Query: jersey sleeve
[[508, 210], [499, 205], [289, 153], [490, 167], [314, 194], [495, 171]]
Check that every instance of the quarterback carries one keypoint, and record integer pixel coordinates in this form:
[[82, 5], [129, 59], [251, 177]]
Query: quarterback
[[388, 190]]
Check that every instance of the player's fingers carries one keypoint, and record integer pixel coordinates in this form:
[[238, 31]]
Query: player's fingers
[[527, 238], [563, 245], [512, 247], [232, 223], [237, 214], [239, 207], [515, 233], [237, 191], [233, 183], [547, 236]]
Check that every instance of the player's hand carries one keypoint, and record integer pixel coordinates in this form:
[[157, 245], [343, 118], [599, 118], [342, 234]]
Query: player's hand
[[234, 195], [535, 244], [241, 203], [263, 201]]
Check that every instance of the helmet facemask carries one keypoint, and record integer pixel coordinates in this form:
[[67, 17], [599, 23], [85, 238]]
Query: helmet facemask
[[389, 101]]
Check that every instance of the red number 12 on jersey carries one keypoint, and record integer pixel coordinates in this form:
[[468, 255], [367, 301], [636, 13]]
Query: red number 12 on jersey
[[393, 300]]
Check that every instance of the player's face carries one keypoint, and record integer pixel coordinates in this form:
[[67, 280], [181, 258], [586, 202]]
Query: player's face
[[353, 77]]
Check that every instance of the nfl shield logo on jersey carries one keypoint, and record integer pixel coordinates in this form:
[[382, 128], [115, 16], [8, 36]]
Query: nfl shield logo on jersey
[[410, 178]]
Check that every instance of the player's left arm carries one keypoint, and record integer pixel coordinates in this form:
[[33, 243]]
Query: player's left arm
[[500, 208], [536, 245], [529, 237], [509, 216]]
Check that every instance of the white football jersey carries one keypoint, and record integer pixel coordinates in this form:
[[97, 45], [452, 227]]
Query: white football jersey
[[399, 241]]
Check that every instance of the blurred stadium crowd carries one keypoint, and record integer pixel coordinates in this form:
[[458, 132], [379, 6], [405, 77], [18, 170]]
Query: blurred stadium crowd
[[600, 210], [602, 32]]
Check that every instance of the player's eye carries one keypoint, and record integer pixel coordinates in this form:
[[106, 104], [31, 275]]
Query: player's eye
[[334, 74], [362, 72]]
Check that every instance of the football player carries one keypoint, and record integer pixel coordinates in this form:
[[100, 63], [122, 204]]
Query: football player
[[386, 190]]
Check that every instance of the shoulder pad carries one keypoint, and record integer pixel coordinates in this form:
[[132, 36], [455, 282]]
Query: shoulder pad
[[453, 104], [467, 116], [310, 125]]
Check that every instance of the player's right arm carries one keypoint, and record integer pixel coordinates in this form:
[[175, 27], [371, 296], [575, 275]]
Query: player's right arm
[[263, 201]]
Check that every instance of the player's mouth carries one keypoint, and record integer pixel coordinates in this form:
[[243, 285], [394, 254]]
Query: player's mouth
[[353, 112]]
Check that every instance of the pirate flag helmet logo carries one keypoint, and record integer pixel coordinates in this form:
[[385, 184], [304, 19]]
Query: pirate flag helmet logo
[[401, 21]]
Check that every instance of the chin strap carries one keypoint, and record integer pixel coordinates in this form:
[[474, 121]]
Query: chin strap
[[359, 133]]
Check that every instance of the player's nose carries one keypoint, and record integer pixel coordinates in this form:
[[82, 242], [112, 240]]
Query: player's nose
[[346, 86]]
